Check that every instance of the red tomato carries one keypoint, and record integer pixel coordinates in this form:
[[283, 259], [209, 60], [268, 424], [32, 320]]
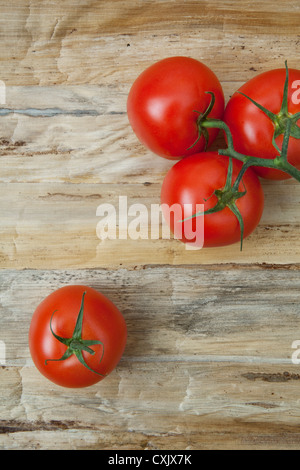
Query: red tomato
[[164, 104], [252, 130], [192, 181], [101, 322]]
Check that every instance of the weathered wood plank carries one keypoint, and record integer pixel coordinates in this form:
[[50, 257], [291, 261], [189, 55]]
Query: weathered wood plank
[[189, 313], [54, 226], [224, 365], [208, 362], [74, 134], [155, 406], [76, 43]]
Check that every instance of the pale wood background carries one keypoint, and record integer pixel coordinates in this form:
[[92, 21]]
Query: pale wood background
[[208, 364]]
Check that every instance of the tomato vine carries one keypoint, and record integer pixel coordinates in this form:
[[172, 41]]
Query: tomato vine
[[284, 123]]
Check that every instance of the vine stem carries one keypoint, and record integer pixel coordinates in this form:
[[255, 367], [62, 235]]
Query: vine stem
[[284, 123], [280, 162]]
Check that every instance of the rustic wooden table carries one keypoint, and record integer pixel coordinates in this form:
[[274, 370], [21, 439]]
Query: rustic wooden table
[[208, 363]]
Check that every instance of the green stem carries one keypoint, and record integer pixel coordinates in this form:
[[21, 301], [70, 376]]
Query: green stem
[[202, 116], [284, 123], [227, 197], [278, 163], [75, 344]]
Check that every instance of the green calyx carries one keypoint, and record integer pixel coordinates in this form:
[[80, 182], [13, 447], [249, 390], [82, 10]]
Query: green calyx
[[75, 344], [227, 197], [201, 118], [284, 123], [283, 117]]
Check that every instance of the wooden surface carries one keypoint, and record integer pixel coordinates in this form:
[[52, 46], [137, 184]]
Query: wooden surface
[[208, 364]]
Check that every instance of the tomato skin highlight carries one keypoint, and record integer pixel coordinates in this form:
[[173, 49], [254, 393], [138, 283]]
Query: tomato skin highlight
[[193, 180], [252, 130], [101, 320], [164, 103]]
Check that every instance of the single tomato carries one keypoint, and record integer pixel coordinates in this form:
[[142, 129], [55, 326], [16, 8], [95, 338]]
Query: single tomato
[[165, 102], [195, 180], [253, 130], [77, 336]]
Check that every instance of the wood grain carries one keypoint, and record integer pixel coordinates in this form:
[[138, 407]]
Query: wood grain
[[49, 48], [193, 366], [208, 364], [54, 225]]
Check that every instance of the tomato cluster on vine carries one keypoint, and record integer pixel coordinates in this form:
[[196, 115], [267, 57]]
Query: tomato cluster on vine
[[176, 108]]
